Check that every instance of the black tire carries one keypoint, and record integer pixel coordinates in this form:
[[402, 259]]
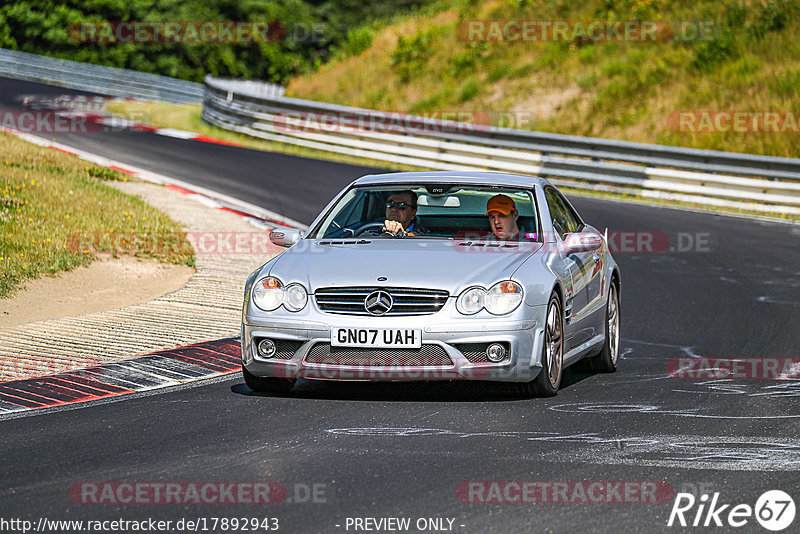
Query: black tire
[[548, 380], [608, 358], [267, 384]]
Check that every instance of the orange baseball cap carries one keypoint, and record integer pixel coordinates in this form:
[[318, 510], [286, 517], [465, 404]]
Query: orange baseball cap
[[501, 203]]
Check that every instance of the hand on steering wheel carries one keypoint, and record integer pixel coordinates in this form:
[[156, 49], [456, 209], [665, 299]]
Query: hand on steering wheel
[[394, 227], [371, 228]]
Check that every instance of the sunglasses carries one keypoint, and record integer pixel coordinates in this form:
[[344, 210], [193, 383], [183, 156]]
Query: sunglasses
[[399, 205]]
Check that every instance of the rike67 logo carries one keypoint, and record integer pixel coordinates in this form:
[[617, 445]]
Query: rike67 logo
[[774, 510]]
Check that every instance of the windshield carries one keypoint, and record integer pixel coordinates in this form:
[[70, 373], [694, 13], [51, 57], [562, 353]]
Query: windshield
[[433, 211]]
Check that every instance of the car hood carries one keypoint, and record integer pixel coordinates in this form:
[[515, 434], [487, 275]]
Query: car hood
[[423, 263]]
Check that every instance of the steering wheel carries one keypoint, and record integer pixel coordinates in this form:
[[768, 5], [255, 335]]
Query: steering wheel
[[370, 227]]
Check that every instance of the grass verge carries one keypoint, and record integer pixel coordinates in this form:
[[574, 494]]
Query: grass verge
[[51, 203]]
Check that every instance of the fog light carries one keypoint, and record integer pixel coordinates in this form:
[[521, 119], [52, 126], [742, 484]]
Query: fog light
[[266, 348], [496, 352]]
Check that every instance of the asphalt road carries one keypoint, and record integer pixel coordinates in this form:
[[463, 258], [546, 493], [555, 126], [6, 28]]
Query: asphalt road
[[404, 450]]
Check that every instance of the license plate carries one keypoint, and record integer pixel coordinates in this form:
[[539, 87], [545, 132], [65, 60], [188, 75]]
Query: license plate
[[383, 338]]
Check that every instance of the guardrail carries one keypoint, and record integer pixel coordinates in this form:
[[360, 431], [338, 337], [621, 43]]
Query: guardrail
[[759, 183], [97, 78]]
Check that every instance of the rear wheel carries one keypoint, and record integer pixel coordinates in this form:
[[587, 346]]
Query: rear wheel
[[267, 384], [548, 381], [606, 361]]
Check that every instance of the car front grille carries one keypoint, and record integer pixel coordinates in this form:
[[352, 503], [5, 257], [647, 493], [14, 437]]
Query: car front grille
[[407, 301], [427, 355]]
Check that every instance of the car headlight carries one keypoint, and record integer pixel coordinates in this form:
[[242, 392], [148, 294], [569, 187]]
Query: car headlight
[[268, 293], [470, 301], [503, 297], [295, 297]]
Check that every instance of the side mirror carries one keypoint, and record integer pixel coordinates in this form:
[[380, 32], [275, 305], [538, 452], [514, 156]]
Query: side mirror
[[582, 242], [285, 237]]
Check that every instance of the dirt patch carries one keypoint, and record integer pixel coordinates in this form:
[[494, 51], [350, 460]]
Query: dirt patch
[[545, 103], [106, 284]]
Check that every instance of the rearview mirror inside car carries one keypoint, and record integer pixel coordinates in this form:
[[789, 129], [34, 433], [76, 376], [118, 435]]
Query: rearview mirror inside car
[[439, 201]]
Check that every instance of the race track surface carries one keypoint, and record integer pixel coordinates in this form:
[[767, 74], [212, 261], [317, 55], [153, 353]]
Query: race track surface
[[409, 450]]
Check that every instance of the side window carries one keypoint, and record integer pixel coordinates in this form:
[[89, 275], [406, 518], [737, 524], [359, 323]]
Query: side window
[[573, 221], [557, 212]]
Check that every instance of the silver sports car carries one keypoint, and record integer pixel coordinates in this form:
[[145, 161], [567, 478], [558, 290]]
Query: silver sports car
[[435, 276]]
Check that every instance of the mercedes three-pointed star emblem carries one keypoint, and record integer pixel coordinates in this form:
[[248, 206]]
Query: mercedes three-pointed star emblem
[[378, 302]]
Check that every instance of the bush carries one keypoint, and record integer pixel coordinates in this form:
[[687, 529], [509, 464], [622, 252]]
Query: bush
[[709, 54], [357, 41], [771, 16], [469, 90], [467, 59], [410, 56]]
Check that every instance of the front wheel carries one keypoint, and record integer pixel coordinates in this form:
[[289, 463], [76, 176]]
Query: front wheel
[[548, 381], [267, 384]]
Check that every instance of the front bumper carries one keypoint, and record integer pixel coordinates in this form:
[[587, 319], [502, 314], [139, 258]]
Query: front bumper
[[523, 335]]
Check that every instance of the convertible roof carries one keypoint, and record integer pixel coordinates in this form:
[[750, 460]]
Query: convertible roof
[[465, 177]]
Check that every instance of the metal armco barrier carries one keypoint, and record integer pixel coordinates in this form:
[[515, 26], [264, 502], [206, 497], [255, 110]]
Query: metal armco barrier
[[97, 78], [759, 183]]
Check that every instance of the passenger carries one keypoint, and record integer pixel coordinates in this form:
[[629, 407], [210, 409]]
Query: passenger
[[503, 215], [401, 214]]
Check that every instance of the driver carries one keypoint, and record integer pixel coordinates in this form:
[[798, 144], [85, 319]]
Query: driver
[[401, 214]]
